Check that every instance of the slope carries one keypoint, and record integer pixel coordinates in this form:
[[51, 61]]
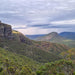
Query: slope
[[13, 64], [56, 38], [50, 36], [27, 48], [20, 44]]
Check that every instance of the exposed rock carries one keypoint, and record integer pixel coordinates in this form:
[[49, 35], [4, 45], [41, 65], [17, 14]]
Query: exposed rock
[[5, 31], [20, 37]]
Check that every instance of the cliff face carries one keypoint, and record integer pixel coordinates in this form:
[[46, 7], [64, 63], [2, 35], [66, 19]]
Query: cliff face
[[5, 31]]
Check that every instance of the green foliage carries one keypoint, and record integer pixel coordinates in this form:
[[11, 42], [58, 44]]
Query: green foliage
[[11, 69], [62, 67], [26, 71], [15, 64], [73, 73], [61, 74], [39, 72], [31, 51], [69, 55], [1, 69]]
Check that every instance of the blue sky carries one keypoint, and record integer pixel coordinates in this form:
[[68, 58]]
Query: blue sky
[[39, 16]]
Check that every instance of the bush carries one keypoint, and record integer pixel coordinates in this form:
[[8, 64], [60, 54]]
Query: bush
[[11, 69], [39, 72], [61, 74], [73, 73], [1, 69]]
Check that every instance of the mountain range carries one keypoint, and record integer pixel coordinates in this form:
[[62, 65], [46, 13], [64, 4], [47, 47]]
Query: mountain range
[[67, 35], [20, 55], [62, 38], [16, 42]]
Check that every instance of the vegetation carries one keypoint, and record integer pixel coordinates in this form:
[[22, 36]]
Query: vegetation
[[70, 43], [22, 56], [70, 54], [51, 47], [39, 51], [62, 67], [15, 64], [56, 38]]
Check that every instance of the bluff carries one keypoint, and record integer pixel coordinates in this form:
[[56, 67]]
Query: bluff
[[5, 31]]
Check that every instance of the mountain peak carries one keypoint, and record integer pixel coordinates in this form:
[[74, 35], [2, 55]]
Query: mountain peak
[[50, 36], [53, 33]]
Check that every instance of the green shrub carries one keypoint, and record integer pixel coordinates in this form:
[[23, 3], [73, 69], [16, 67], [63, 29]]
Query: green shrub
[[39, 72], [73, 73], [1, 69], [61, 74], [11, 69]]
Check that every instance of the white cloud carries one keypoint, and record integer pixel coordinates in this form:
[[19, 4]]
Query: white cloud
[[12, 12], [34, 30], [19, 26], [33, 12], [67, 22]]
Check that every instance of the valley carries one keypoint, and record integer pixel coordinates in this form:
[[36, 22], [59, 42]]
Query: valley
[[20, 55]]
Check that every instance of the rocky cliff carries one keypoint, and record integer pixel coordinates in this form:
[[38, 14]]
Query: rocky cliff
[[5, 31]]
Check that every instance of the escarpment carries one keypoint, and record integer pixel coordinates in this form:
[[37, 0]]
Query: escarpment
[[5, 31]]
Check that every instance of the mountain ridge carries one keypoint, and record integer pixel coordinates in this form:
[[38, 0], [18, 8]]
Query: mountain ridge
[[68, 35], [57, 38], [50, 36], [37, 51]]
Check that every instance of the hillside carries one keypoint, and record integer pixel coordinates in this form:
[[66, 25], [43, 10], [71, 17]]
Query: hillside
[[51, 36], [15, 64], [20, 44], [70, 54], [62, 67], [68, 35], [28, 50], [17, 59], [51, 47], [56, 38]]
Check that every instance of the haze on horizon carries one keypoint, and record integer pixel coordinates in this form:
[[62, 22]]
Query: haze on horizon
[[39, 16]]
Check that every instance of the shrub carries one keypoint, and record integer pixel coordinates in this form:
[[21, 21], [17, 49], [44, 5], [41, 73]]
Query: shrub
[[1, 69], [39, 72], [73, 73]]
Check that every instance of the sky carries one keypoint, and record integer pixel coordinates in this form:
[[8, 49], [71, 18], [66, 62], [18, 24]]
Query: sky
[[39, 16]]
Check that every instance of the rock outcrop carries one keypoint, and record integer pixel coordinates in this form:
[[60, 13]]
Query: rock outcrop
[[5, 31]]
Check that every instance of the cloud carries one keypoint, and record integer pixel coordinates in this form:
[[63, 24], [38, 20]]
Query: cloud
[[39, 14], [19, 27], [64, 22], [34, 30]]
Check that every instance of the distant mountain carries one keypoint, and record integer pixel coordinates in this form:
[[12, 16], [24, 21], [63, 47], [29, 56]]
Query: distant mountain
[[51, 36], [33, 37], [57, 38], [68, 35]]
